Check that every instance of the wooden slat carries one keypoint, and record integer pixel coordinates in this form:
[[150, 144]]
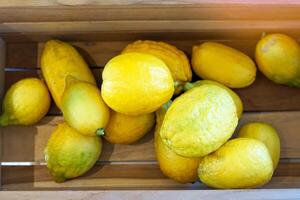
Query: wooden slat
[[259, 194], [137, 176], [32, 139], [198, 10], [149, 25]]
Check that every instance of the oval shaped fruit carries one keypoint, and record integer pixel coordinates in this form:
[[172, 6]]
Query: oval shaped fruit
[[218, 62], [237, 100], [136, 83], [126, 129], [59, 60], [175, 59], [278, 58], [240, 163], [179, 168], [83, 108], [25, 103], [199, 121], [70, 154], [265, 133]]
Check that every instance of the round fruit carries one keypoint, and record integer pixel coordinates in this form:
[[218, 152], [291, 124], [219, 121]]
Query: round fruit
[[83, 108], [240, 163], [25, 103], [218, 62], [179, 168], [265, 133], [126, 129], [237, 100], [278, 58], [199, 121], [136, 83], [70, 154]]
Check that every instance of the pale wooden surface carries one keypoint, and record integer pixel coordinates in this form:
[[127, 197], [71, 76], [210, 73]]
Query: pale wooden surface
[[34, 11], [16, 3], [111, 177], [261, 194]]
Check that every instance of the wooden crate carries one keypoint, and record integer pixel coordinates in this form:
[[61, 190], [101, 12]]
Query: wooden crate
[[100, 31]]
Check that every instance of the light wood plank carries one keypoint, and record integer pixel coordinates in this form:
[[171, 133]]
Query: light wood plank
[[134, 176], [32, 139], [35, 13], [29, 3], [259, 194], [149, 25]]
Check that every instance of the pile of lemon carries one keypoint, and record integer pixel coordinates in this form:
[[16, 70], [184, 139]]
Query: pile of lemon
[[193, 131]]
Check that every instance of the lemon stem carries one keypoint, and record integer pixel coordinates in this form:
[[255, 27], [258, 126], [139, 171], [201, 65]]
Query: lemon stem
[[167, 105], [100, 132], [187, 86]]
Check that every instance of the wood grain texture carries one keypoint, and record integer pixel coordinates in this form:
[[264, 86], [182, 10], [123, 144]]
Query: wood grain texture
[[259, 194], [197, 10], [125, 176], [32, 139], [33, 3]]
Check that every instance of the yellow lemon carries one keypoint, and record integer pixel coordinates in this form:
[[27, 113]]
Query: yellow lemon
[[240, 163], [136, 83], [58, 60], [265, 133], [126, 129], [25, 103], [278, 58], [175, 59], [70, 154], [199, 121], [237, 100], [218, 62], [83, 108], [179, 168]]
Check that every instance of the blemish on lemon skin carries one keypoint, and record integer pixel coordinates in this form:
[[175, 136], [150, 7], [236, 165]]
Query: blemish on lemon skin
[[270, 43]]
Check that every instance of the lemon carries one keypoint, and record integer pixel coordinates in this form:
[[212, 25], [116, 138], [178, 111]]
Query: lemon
[[237, 100], [126, 129], [218, 62], [136, 83], [278, 58], [175, 59], [265, 133], [199, 121], [59, 60], [70, 154], [179, 168], [25, 103], [83, 107], [240, 163]]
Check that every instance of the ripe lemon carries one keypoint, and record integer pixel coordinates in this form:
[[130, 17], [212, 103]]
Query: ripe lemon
[[136, 83], [70, 154], [265, 133], [126, 129], [83, 108], [240, 163], [199, 121], [25, 103]]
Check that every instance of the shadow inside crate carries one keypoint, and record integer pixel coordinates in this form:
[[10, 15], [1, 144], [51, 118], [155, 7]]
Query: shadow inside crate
[[18, 156]]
